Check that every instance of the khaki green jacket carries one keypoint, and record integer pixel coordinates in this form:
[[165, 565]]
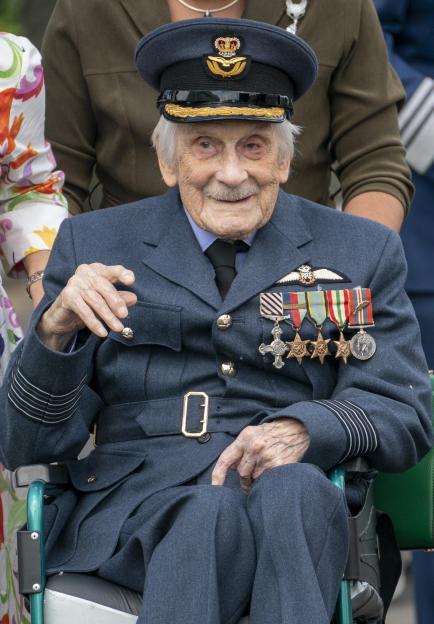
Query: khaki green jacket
[[100, 114]]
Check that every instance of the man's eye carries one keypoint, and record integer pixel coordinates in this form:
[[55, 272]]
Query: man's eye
[[205, 144], [253, 146]]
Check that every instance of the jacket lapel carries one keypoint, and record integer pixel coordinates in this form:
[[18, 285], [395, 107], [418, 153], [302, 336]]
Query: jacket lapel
[[279, 247], [173, 251]]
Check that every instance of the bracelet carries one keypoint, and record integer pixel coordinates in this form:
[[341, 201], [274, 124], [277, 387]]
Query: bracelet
[[34, 277]]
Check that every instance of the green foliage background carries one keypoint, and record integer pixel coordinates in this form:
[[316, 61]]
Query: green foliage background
[[11, 16]]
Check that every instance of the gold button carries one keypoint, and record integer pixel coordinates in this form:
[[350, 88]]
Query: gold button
[[224, 321], [127, 333], [91, 479], [228, 369]]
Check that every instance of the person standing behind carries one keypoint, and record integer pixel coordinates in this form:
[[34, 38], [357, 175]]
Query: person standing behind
[[408, 27], [32, 207], [100, 115]]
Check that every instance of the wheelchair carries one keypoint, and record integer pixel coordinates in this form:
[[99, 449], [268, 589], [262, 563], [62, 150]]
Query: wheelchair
[[397, 513]]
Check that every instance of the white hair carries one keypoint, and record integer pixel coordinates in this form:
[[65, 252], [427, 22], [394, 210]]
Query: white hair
[[165, 134]]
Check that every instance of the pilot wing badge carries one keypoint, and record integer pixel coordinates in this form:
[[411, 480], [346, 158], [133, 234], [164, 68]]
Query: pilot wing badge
[[307, 275]]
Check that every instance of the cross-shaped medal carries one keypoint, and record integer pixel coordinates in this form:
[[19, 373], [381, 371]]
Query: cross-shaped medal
[[277, 347]]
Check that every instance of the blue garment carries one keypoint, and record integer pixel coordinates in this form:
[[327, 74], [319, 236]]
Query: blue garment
[[408, 26], [379, 408]]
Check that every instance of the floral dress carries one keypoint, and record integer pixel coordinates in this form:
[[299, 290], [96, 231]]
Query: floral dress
[[31, 209]]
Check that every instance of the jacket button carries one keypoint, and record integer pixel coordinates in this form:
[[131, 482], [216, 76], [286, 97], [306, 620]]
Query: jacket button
[[224, 321], [203, 439], [228, 369], [127, 333], [91, 479]]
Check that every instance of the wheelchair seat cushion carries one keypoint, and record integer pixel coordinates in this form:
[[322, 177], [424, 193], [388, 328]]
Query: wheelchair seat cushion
[[72, 598], [89, 588]]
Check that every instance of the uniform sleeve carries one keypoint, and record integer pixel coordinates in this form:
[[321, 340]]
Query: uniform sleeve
[[31, 202], [46, 401], [71, 126], [364, 95], [416, 118], [381, 407]]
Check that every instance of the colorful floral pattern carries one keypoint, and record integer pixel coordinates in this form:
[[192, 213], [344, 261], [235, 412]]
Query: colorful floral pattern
[[31, 209], [32, 205]]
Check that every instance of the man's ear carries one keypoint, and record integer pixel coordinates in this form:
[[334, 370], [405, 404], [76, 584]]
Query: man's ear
[[284, 171], [168, 172]]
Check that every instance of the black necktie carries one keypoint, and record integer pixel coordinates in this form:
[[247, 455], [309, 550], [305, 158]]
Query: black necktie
[[222, 255]]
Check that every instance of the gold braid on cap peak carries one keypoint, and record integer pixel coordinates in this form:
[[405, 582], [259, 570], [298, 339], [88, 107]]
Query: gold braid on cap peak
[[274, 112]]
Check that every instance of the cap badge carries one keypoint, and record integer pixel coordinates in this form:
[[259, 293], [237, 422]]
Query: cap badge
[[227, 64], [227, 46]]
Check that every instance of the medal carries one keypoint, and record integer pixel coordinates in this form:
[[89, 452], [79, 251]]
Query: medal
[[271, 307], [298, 348], [294, 303], [338, 308], [290, 307], [317, 310], [277, 347], [362, 344], [342, 348], [320, 348]]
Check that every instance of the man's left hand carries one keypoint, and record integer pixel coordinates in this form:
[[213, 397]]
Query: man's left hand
[[260, 448]]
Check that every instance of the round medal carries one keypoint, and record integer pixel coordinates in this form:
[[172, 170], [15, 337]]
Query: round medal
[[362, 345]]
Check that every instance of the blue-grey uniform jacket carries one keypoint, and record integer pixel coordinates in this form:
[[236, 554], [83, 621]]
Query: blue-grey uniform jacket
[[379, 408]]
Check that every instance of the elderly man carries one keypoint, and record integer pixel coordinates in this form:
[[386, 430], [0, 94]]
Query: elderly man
[[217, 336]]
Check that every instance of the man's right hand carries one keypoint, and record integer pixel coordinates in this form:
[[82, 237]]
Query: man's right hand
[[88, 300]]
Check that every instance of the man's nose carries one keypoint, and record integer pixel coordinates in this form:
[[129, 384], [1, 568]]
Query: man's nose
[[231, 171]]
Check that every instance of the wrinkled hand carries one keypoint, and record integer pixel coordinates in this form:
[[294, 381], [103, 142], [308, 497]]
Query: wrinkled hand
[[90, 300], [260, 448]]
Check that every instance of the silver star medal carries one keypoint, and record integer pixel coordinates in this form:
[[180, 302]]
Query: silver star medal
[[277, 347], [295, 11]]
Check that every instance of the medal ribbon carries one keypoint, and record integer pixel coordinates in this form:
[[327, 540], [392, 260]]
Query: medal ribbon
[[360, 315], [316, 307], [338, 306], [294, 307], [270, 304]]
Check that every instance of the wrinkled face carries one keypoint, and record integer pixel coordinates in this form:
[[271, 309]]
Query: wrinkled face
[[228, 174]]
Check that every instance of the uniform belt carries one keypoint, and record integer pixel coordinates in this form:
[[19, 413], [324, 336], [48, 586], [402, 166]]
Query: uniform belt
[[192, 415]]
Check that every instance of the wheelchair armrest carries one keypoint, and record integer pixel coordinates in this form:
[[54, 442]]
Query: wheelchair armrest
[[42, 480], [55, 474]]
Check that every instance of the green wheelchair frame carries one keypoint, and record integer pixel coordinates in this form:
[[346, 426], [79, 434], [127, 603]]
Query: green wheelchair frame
[[407, 498]]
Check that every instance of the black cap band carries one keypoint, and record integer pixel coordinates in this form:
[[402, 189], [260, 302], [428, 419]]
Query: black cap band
[[191, 74]]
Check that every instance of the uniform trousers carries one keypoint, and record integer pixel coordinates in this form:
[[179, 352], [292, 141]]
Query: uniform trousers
[[204, 554]]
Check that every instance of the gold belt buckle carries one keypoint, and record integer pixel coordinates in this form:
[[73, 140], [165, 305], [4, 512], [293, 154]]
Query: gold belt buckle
[[204, 420]]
